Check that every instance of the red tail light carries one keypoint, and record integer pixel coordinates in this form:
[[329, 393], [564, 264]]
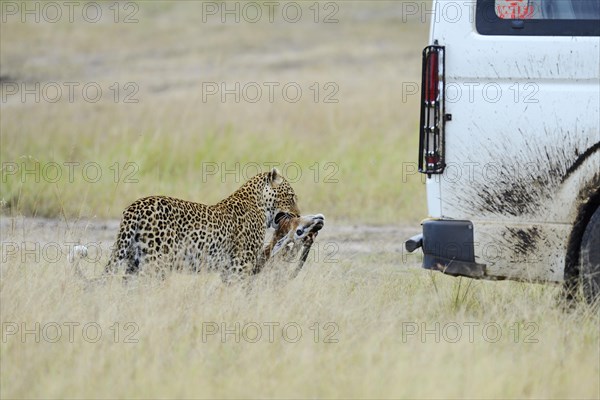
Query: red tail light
[[431, 137], [432, 78], [432, 159]]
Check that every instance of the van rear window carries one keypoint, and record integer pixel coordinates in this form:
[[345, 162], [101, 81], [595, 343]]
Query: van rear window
[[548, 9], [538, 17]]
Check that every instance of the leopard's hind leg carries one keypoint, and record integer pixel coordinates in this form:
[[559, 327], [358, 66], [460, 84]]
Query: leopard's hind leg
[[125, 251]]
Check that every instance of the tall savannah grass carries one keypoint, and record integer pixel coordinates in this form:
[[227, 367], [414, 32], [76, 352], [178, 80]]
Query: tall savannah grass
[[523, 344], [356, 158], [345, 158]]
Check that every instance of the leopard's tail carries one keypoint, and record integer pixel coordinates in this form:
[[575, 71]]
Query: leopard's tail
[[76, 254]]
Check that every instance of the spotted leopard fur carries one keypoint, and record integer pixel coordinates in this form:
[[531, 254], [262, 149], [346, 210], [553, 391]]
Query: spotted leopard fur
[[166, 233]]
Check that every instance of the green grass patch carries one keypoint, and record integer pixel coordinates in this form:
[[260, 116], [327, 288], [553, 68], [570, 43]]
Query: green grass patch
[[343, 143]]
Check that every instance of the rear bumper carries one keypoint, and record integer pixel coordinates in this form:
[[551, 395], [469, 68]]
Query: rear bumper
[[449, 247]]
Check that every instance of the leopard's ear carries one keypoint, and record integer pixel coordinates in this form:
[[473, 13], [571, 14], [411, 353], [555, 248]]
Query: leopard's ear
[[275, 177], [281, 216]]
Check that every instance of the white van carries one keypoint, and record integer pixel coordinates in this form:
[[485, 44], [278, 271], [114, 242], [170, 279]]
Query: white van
[[510, 141]]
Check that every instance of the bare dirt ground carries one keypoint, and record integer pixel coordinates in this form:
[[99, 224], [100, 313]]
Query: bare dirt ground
[[50, 240]]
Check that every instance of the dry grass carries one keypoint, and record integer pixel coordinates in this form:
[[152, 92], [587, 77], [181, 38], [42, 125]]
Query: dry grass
[[373, 301], [369, 293], [349, 153]]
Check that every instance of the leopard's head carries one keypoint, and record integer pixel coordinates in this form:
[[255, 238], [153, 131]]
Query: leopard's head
[[279, 197]]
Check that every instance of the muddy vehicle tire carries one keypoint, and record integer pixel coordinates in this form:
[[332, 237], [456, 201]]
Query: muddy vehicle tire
[[590, 259]]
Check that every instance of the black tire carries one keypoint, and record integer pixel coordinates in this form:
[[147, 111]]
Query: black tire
[[589, 257]]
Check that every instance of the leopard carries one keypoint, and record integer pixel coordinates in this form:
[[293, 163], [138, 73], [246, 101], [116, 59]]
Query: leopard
[[158, 233]]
